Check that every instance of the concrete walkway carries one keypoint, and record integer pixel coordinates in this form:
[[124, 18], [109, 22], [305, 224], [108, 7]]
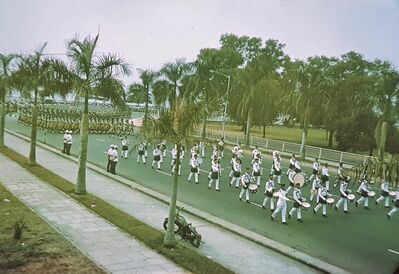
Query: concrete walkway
[[110, 248], [230, 249]]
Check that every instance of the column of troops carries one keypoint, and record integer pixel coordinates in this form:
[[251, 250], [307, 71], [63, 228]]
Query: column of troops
[[58, 118]]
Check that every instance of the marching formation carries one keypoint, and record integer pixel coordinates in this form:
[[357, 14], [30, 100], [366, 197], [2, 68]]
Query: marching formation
[[277, 194]]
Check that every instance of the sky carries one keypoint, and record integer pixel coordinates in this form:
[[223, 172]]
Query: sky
[[151, 33]]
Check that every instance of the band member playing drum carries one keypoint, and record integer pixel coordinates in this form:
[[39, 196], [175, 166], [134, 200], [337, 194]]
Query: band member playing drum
[[396, 207], [221, 147], [281, 205], [141, 152], [162, 147], [255, 152], [340, 175], [269, 189], [292, 164], [291, 175], [277, 168], [256, 171], [157, 157], [297, 203], [236, 173], [315, 167], [344, 191], [384, 194], [125, 147], [245, 181], [215, 174], [232, 162], [323, 195], [325, 177], [194, 169], [364, 192], [316, 184]]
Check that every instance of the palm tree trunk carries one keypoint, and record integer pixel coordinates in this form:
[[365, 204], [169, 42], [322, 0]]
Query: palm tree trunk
[[2, 118], [146, 106], [264, 131], [169, 239], [203, 134], [80, 187], [249, 123], [383, 138], [33, 133], [302, 150]]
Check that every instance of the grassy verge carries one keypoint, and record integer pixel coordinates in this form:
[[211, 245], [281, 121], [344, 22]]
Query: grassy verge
[[186, 257], [40, 249]]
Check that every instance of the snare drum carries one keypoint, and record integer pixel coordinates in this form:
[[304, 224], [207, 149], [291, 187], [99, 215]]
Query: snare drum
[[351, 197], [371, 194], [253, 188], [276, 194], [305, 206], [330, 201], [392, 193]]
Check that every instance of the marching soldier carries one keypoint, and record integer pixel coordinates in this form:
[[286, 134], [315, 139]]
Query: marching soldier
[[236, 173], [315, 167], [384, 194], [292, 164], [215, 174], [255, 152], [396, 207], [316, 184], [277, 168], [340, 175], [269, 190], [245, 181], [297, 203], [323, 195], [163, 150], [291, 175], [232, 162], [344, 191], [157, 157], [194, 168], [125, 147], [141, 152], [256, 171], [220, 147], [281, 205], [364, 192]]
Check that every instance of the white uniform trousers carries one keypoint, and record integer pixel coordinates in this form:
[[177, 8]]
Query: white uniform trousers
[[324, 208], [124, 153], [271, 202], [236, 181], [283, 209], [257, 180], [142, 157], [195, 176], [365, 199], [216, 183], [174, 167], [340, 201], [393, 210], [278, 178], [158, 164], [382, 198], [246, 192], [231, 173], [298, 212]]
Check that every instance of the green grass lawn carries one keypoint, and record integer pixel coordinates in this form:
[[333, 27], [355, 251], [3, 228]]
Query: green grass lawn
[[316, 136], [41, 249]]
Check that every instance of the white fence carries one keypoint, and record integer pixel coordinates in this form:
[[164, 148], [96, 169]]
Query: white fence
[[287, 147]]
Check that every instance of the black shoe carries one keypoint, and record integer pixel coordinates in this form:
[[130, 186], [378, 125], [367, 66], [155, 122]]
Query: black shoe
[[325, 215], [366, 208], [376, 202], [247, 201], [300, 220], [271, 217], [389, 217], [284, 223], [263, 207], [272, 210], [336, 208], [346, 211], [230, 185], [240, 198], [314, 211], [289, 216], [387, 207], [216, 189], [356, 204], [197, 183], [209, 187]]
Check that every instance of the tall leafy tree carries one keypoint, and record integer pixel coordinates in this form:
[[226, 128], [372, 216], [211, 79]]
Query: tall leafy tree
[[90, 74], [175, 124], [6, 69]]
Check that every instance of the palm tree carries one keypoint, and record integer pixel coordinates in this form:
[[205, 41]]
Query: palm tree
[[147, 80], [175, 124], [6, 69], [90, 74], [33, 76]]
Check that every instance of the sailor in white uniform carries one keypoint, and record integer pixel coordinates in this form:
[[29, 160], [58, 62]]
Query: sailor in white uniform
[[245, 181], [194, 168], [297, 203], [396, 207], [364, 192], [384, 194], [281, 205], [269, 190]]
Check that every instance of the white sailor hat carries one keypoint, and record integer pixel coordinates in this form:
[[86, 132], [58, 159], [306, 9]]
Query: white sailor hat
[[69, 131], [112, 146], [66, 131], [115, 147]]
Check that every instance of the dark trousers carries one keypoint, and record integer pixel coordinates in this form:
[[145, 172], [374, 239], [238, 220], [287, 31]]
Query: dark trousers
[[113, 167], [68, 149], [109, 165], [64, 148]]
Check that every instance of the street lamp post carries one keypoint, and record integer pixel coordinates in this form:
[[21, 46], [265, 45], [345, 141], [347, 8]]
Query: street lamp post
[[227, 98]]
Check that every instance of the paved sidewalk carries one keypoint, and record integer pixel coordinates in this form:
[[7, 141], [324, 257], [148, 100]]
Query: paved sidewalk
[[233, 251], [110, 248]]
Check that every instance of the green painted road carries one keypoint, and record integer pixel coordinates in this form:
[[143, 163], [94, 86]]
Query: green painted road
[[359, 242]]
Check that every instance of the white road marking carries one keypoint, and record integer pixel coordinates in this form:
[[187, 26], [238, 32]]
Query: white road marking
[[393, 251], [100, 140], [163, 172]]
